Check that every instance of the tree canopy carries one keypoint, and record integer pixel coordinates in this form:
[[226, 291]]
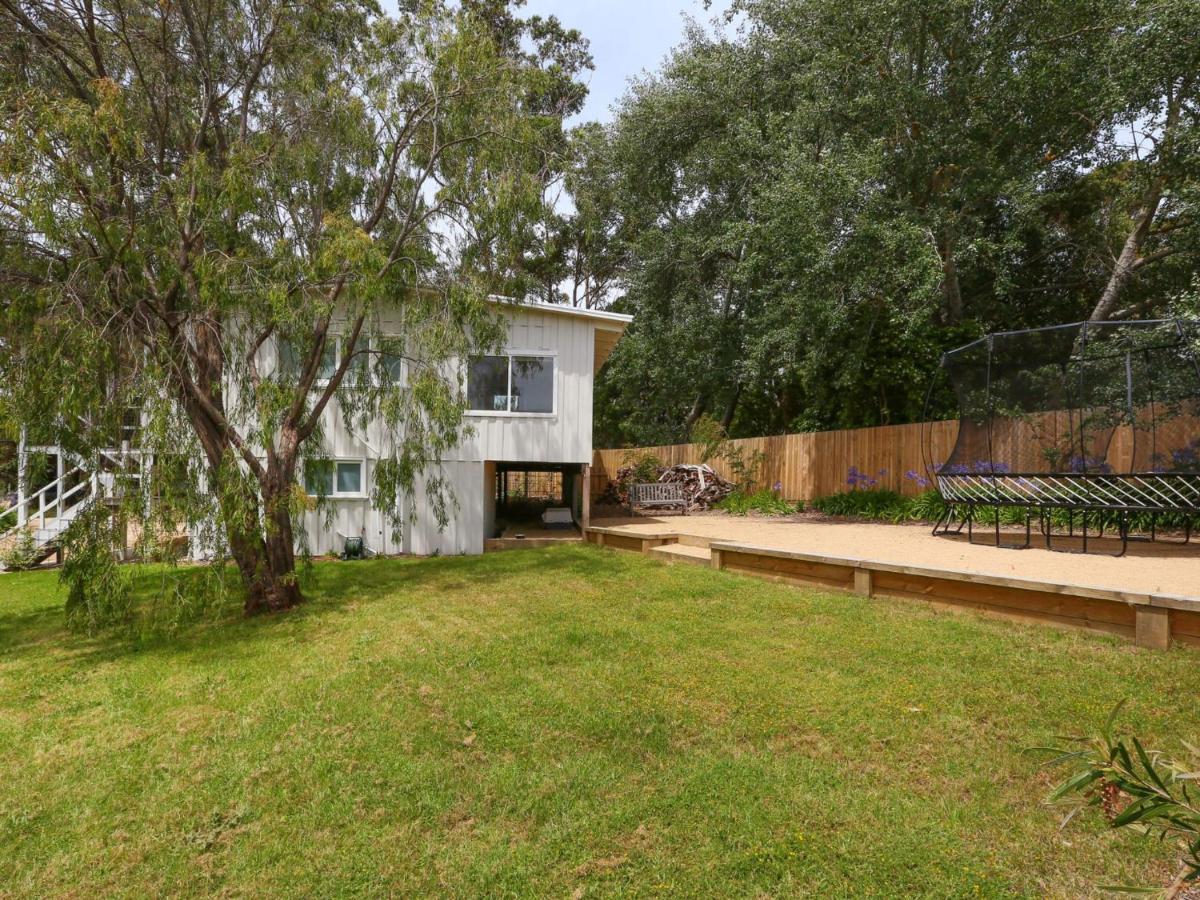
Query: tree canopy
[[808, 206], [207, 207]]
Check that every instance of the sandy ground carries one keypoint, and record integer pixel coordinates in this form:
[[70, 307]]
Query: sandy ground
[[1158, 568]]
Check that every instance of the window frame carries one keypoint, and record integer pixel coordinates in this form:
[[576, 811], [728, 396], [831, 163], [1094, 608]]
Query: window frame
[[334, 494], [508, 413], [336, 340]]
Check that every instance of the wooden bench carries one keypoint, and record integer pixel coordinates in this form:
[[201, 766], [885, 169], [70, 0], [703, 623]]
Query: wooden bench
[[657, 494]]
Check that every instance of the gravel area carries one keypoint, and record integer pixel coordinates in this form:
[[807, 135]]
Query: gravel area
[[1158, 568]]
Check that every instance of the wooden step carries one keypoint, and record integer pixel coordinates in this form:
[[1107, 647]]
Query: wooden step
[[694, 540], [682, 553]]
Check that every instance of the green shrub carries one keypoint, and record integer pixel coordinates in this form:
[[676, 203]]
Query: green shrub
[[713, 443], [766, 503], [928, 506], [874, 503], [885, 505], [22, 554], [643, 466], [710, 438]]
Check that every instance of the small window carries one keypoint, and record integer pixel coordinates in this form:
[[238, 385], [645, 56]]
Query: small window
[[341, 478], [511, 384], [318, 478], [290, 360], [391, 359], [349, 477], [532, 384], [487, 384], [393, 364], [329, 361], [358, 373]]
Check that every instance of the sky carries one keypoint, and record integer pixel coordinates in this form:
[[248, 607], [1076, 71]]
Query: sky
[[627, 37]]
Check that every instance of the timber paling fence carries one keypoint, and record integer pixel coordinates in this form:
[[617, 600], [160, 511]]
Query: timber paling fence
[[817, 463]]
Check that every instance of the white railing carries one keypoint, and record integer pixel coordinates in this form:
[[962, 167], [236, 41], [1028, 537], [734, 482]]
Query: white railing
[[52, 508], [56, 504]]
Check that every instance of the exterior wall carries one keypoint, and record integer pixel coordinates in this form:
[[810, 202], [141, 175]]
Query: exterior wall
[[562, 437], [465, 531], [352, 517]]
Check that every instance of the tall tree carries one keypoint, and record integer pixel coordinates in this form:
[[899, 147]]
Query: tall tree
[[810, 209], [210, 206], [1154, 142]]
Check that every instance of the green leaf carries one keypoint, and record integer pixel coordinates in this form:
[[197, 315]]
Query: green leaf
[[1075, 783], [1148, 765], [1111, 720]]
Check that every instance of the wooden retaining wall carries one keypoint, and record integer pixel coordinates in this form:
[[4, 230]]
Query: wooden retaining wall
[[1150, 620]]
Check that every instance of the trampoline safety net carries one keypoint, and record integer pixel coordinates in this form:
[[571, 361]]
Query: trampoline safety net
[[1089, 416]]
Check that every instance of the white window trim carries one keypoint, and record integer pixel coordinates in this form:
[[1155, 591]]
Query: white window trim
[[373, 346], [376, 346], [508, 414], [335, 494]]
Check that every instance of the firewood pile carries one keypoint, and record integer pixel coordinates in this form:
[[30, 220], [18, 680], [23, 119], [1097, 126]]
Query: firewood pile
[[701, 485]]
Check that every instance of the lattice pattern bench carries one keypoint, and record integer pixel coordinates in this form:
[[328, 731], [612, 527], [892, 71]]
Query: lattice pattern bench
[[658, 495]]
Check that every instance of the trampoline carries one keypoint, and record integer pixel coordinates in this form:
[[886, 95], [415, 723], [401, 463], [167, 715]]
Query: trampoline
[[1094, 422]]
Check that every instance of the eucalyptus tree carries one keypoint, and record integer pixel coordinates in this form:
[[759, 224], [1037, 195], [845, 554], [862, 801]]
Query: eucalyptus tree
[[1152, 146], [186, 185], [814, 205]]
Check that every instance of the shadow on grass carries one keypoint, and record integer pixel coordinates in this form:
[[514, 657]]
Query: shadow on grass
[[330, 588]]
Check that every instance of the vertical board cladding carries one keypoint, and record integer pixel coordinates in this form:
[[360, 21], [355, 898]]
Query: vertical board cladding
[[327, 528], [815, 464], [565, 436], [466, 513]]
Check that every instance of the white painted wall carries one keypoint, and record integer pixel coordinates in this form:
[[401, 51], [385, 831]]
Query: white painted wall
[[563, 437]]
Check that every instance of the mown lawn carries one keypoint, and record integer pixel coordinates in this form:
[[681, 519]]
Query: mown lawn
[[567, 722]]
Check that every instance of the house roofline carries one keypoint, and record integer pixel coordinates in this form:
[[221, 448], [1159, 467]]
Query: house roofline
[[599, 315]]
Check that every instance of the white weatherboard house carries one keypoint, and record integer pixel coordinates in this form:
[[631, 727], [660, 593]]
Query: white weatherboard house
[[530, 411]]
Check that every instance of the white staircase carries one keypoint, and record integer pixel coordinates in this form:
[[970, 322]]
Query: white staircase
[[49, 512]]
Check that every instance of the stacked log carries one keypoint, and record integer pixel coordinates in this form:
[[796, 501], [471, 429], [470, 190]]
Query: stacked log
[[703, 487]]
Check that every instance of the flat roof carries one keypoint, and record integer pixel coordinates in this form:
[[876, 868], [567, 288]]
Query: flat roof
[[599, 315]]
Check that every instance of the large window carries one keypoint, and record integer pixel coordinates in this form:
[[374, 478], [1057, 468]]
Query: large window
[[515, 383], [289, 360], [331, 356], [335, 478]]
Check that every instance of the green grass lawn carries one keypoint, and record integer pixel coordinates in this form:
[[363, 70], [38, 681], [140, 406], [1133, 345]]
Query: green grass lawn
[[565, 722]]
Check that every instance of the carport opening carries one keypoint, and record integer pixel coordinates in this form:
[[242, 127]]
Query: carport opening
[[536, 499]]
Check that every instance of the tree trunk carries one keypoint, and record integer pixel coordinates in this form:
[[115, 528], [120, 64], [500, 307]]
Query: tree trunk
[[951, 291], [731, 406], [280, 589], [264, 556], [697, 411], [1129, 260]]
